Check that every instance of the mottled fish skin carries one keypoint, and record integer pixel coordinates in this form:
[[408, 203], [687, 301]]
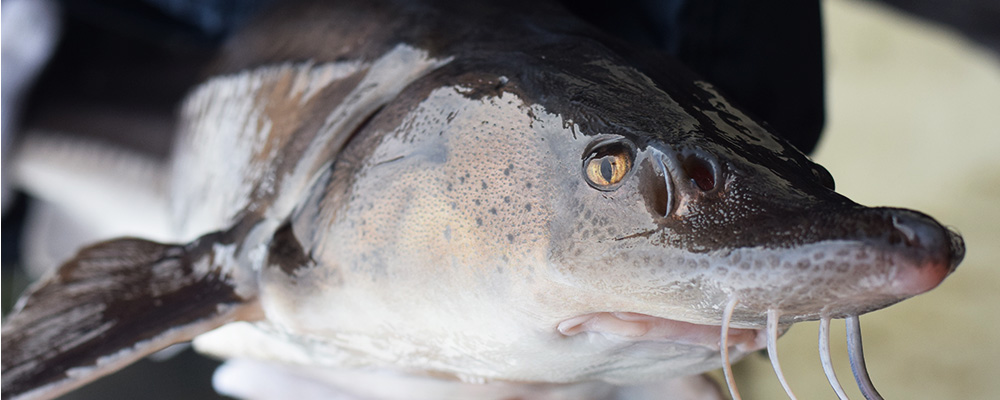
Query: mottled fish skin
[[408, 182], [457, 223]]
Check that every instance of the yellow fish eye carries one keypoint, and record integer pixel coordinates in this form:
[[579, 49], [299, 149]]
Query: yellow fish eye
[[607, 166]]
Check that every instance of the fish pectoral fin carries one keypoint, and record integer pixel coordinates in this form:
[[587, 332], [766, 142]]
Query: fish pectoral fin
[[112, 304]]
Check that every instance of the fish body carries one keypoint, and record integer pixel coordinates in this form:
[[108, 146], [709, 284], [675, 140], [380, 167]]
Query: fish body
[[473, 197]]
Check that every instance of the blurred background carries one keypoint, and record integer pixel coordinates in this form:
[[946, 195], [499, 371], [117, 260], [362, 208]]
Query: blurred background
[[912, 111], [913, 120]]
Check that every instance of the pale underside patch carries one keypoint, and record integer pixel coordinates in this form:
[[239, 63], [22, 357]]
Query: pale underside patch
[[255, 380]]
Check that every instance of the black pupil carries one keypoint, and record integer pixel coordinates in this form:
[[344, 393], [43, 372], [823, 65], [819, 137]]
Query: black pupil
[[607, 170]]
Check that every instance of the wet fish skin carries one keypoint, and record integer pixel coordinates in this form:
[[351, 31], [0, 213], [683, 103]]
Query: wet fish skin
[[415, 199]]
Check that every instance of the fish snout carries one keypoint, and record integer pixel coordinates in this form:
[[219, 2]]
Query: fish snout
[[856, 261], [934, 250]]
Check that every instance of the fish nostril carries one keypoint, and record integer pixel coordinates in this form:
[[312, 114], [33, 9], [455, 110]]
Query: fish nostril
[[909, 235], [701, 172], [916, 231], [655, 187]]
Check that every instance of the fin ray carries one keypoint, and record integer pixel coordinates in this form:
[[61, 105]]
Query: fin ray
[[112, 304]]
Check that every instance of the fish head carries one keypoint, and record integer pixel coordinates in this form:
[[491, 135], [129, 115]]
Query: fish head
[[706, 197], [539, 219], [685, 204]]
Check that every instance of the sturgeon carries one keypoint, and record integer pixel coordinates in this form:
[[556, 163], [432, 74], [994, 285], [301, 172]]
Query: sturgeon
[[395, 199]]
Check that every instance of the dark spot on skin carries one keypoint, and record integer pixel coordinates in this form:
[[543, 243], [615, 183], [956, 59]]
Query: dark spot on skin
[[493, 211], [477, 202], [484, 185], [510, 238], [506, 199], [528, 185], [736, 258], [479, 221], [843, 267], [527, 207], [508, 170]]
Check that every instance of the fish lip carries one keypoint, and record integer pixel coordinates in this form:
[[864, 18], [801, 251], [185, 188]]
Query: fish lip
[[637, 327]]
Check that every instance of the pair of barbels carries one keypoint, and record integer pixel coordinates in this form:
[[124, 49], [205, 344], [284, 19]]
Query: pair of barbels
[[854, 348]]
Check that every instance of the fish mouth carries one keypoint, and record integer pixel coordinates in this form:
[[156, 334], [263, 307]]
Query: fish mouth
[[631, 326], [730, 343]]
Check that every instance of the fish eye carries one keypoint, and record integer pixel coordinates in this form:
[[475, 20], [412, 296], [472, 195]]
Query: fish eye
[[607, 164]]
